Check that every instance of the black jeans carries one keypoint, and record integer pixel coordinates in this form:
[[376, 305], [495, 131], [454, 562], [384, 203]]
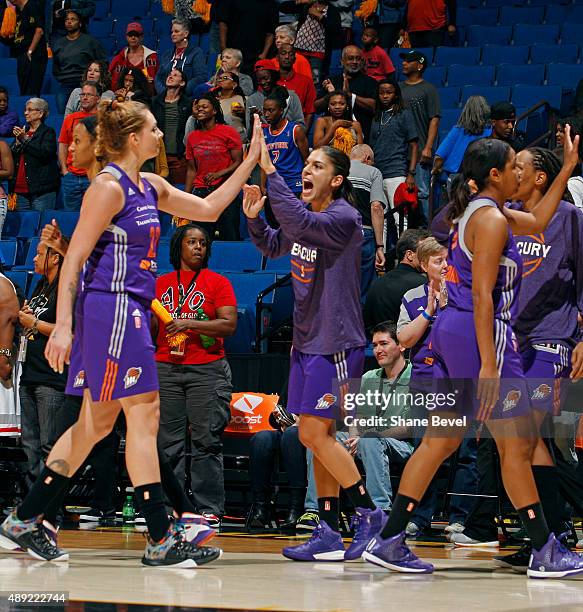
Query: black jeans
[[227, 226], [31, 73], [197, 396]]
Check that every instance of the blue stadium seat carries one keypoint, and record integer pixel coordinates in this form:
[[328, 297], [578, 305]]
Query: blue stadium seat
[[66, 219], [467, 56], [479, 35], [435, 75], [492, 94], [529, 74], [30, 249], [547, 54], [23, 224], [336, 62], [167, 228], [163, 256], [32, 282], [534, 34], [570, 33], [55, 121], [567, 75], [129, 11], [575, 14], [484, 16], [10, 81], [100, 29], [529, 95], [7, 66], [8, 252], [449, 117], [281, 265], [459, 76], [20, 278], [500, 54], [247, 287], [449, 97], [556, 13], [509, 15], [240, 256], [500, 3]]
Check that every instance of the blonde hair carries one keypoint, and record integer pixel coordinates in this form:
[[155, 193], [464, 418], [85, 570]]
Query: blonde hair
[[115, 122], [428, 248]]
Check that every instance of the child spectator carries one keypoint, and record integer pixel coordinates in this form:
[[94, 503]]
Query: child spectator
[[378, 64]]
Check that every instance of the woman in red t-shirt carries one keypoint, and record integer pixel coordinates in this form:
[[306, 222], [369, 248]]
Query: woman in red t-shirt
[[195, 378], [213, 152]]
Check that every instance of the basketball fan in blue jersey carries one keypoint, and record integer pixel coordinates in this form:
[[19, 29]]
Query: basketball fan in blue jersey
[[328, 345], [113, 255], [286, 141], [473, 342]]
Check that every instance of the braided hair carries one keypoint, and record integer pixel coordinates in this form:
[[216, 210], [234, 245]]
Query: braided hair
[[546, 161], [44, 286]]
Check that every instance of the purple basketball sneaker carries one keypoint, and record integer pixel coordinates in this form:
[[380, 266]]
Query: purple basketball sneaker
[[554, 560], [323, 545], [395, 555], [366, 525]]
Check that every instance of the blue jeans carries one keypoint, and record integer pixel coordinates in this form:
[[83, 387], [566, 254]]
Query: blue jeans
[[25, 201], [74, 188], [265, 448], [423, 181], [3, 211], [376, 455], [214, 38], [367, 259], [39, 410]]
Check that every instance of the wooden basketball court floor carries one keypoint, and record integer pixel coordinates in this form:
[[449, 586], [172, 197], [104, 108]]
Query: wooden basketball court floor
[[104, 573]]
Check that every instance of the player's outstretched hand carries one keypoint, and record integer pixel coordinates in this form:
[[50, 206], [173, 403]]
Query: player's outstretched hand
[[253, 201], [256, 140], [58, 349], [570, 150]]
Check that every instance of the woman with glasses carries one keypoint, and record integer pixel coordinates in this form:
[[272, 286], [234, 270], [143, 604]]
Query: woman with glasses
[[97, 72], [36, 172]]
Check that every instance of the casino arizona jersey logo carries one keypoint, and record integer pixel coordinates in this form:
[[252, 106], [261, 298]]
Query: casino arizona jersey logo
[[537, 249]]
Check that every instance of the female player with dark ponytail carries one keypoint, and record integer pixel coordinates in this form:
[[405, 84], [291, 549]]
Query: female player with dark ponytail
[[475, 348], [328, 343]]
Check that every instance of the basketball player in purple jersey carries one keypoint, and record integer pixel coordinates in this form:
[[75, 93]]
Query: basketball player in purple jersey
[[547, 329], [473, 339], [328, 342], [115, 243]]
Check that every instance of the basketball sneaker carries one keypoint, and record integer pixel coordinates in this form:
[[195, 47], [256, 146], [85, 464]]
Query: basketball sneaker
[[454, 528], [518, 561], [554, 560], [308, 521], [323, 545], [175, 551], [213, 520], [196, 529], [30, 537], [94, 515], [395, 555], [366, 524], [461, 539]]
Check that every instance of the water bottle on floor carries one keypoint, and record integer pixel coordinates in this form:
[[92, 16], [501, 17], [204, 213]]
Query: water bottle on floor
[[129, 510]]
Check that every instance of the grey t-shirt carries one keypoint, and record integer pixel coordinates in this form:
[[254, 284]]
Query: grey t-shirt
[[390, 136], [367, 182], [422, 100]]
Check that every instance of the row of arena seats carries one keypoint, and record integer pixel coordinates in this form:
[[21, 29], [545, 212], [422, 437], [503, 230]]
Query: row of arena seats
[[543, 13], [250, 274]]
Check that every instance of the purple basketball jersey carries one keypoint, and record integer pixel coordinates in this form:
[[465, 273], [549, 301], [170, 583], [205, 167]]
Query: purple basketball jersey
[[459, 272], [124, 258]]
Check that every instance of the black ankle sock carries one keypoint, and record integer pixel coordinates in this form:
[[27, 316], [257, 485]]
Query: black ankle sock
[[533, 519], [328, 511], [151, 504], [359, 497], [172, 487], [401, 513], [547, 484], [45, 489]]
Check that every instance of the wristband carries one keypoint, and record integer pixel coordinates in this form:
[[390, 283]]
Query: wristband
[[380, 246], [427, 316], [6, 352]]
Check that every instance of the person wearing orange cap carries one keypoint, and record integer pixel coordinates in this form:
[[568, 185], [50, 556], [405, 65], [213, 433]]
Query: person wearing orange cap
[[267, 76], [135, 55]]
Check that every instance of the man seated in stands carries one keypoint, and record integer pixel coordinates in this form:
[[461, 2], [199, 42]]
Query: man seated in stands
[[374, 433]]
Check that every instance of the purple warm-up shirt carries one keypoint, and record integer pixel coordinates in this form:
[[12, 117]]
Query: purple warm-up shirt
[[325, 265]]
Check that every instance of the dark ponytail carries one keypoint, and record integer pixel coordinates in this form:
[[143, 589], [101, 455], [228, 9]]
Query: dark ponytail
[[279, 95], [341, 163], [480, 157]]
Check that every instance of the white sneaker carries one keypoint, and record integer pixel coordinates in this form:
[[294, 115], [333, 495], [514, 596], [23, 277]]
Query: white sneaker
[[579, 544], [412, 530], [454, 528], [460, 539]]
